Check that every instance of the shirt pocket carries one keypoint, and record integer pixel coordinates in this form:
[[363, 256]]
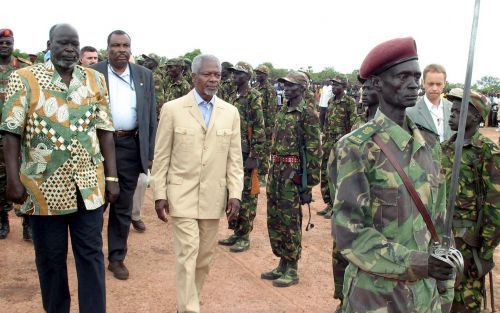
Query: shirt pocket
[[185, 138], [385, 210], [223, 139]]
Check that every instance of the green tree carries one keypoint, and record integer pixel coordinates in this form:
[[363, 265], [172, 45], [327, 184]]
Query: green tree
[[191, 55], [488, 84]]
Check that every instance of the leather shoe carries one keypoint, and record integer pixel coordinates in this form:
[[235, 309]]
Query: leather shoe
[[139, 226], [119, 269]]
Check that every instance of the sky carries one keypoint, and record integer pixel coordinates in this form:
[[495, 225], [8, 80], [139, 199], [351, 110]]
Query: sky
[[289, 34]]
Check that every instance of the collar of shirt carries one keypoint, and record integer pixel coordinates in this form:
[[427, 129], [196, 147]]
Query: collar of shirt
[[77, 77], [124, 77], [432, 107], [400, 136], [200, 100]]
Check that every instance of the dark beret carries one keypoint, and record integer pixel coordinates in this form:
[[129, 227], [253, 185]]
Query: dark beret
[[387, 55]]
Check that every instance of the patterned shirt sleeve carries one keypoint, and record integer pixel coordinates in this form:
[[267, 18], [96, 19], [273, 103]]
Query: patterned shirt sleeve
[[15, 107], [104, 120], [312, 141], [258, 133], [490, 231]]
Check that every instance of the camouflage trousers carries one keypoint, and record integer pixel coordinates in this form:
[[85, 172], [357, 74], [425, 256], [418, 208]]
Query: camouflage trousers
[[325, 188], [339, 264], [284, 213], [5, 205], [248, 209]]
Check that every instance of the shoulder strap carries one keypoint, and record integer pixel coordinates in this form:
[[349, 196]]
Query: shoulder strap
[[409, 186]]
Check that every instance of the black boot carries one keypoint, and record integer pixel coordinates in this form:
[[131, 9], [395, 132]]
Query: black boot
[[27, 236], [4, 224], [275, 273]]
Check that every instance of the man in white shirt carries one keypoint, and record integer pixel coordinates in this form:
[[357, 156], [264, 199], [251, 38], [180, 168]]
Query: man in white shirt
[[326, 94], [432, 111]]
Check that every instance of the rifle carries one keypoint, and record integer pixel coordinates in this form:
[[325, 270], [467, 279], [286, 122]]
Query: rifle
[[304, 194], [443, 250]]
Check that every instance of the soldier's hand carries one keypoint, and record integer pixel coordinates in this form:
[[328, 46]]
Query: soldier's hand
[[438, 269], [162, 209], [112, 191], [16, 192], [233, 209]]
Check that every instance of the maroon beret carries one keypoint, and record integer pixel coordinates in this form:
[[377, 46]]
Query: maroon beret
[[387, 55], [5, 32]]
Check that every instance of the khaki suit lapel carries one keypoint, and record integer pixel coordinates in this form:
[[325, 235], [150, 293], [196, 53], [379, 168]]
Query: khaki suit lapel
[[195, 111], [215, 113]]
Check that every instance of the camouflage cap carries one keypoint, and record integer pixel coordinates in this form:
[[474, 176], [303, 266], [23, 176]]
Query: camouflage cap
[[339, 80], [175, 62], [479, 101], [226, 64], [5, 32], [151, 56], [294, 77], [263, 69], [243, 67]]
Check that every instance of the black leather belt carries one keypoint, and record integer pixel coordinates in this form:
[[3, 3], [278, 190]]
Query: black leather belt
[[126, 133]]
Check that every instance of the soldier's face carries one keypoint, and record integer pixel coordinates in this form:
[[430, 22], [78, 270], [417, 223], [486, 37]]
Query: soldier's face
[[174, 70], [88, 58], [370, 97], [398, 86], [64, 47], [337, 89], [473, 118], [206, 81], [6, 46], [240, 78], [119, 50], [293, 91], [149, 64], [260, 77]]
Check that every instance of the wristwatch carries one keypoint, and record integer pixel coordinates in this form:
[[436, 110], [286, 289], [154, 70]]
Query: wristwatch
[[110, 178]]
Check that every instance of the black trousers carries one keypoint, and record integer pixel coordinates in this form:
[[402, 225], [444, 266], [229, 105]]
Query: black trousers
[[322, 116], [50, 238], [128, 165]]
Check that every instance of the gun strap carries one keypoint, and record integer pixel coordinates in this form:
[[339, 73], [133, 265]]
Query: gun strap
[[409, 186]]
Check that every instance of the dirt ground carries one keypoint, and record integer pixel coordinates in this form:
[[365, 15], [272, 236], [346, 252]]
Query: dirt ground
[[234, 283]]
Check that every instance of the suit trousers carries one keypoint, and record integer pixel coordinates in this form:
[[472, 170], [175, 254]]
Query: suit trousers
[[50, 239], [128, 165], [194, 244]]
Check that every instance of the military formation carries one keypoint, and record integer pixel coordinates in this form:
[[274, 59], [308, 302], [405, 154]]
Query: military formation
[[383, 256]]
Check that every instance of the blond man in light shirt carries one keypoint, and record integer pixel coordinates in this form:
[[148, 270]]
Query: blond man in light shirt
[[432, 111]]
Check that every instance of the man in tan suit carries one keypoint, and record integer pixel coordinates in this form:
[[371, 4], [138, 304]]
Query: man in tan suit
[[198, 161]]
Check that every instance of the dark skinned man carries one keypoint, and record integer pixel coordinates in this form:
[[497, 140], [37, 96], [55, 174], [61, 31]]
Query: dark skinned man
[[63, 136], [248, 101], [476, 218], [8, 64], [376, 223]]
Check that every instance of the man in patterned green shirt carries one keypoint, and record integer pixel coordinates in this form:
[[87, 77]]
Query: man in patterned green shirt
[[248, 101], [476, 219], [8, 64], [340, 117], [376, 223], [269, 102], [297, 128], [57, 115]]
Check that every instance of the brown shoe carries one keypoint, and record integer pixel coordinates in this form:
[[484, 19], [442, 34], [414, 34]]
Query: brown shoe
[[119, 269], [139, 226]]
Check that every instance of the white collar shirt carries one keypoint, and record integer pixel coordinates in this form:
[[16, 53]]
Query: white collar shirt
[[122, 99], [437, 114]]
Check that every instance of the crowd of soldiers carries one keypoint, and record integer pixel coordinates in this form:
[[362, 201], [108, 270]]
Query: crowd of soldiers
[[288, 150]]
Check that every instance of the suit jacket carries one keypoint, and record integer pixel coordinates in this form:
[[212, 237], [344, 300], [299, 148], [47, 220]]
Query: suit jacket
[[146, 108], [420, 115], [194, 165]]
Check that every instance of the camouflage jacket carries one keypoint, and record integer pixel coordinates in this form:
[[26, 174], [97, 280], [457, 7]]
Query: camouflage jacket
[[479, 181], [340, 118], [227, 90], [377, 225], [15, 64], [172, 90], [158, 79], [251, 117], [286, 132], [269, 107]]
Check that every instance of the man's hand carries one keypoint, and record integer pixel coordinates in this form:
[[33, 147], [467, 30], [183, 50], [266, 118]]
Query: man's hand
[[112, 191], [162, 209], [233, 209], [439, 270], [16, 192]]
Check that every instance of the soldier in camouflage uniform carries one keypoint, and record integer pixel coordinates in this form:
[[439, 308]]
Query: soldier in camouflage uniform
[[309, 94], [340, 118], [187, 72], [227, 88], [174, 85], [339, 263], [248, 101], [152, 62], [269, 102], [296, 127], [376, 224], [476, 219], [8, 64]]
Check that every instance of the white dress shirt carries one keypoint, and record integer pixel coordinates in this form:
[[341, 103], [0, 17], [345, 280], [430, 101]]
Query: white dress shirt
[[122, 99], [437, 113], [326, 94]]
